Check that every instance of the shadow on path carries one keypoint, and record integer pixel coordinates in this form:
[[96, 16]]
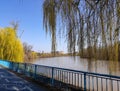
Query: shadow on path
[[10, 82]]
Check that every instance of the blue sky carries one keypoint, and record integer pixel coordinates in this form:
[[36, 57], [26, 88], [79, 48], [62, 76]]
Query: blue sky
[[29, 14]]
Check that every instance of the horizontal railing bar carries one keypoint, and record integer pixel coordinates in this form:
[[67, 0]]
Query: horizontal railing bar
[[88, 73], [104, 77], [83, 72]]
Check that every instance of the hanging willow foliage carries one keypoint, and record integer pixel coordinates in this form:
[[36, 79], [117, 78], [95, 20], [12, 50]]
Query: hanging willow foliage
[[91, 25], [50, 21]]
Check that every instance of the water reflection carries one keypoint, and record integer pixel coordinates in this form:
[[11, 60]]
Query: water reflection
[[76, 63]]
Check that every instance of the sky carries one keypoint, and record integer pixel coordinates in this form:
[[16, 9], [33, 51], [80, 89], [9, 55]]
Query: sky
[[29, 14]]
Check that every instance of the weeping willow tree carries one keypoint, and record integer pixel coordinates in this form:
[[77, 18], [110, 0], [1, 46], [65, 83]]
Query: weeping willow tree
[[90, 26], [10, 46]]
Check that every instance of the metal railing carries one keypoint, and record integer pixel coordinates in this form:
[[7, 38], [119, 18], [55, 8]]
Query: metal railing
[[66, 78]]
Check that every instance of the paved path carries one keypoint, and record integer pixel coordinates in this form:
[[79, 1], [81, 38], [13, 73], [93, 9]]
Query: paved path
[[10, 82]]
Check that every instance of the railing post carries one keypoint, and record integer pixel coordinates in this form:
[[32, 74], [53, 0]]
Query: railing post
[[12, 66], [35, 71], [25, 68], [84, 81], [17, 67], [52, 82]]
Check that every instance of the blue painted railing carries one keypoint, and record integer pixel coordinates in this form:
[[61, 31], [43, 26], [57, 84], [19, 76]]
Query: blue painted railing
[[66, 78]]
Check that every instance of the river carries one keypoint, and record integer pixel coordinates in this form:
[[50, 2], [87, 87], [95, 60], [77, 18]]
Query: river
[[77, 63]]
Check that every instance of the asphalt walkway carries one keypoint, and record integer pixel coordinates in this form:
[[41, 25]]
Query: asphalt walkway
[[10, 82]]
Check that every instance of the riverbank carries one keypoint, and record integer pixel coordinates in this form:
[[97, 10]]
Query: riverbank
[[44, 56], [51, 55]]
